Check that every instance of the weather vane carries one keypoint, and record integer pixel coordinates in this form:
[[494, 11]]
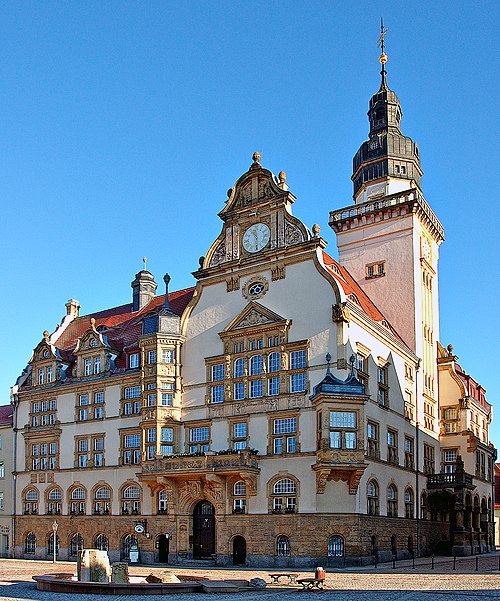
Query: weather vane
[[381, 42]]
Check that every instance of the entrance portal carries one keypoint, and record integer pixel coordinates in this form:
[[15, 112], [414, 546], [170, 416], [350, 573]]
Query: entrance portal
[[203, 530], [239, 551], [163, 548]]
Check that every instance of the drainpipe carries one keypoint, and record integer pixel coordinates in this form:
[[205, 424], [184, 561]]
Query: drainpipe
[[417, 459]]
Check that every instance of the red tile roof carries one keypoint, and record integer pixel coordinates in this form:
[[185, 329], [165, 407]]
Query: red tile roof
[[123, 326], [6, 415], [356, 294], [472, 388]]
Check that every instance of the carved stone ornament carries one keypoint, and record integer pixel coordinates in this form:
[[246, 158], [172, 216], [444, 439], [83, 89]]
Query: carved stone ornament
[[292, 234], [321, 480], [233, 283], [219, 255], [340, 313], [254, 318], [255, 287], [278, 272]]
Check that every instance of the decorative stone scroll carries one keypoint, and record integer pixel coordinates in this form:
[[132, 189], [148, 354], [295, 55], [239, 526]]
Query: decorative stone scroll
[[292, 234], [340, 313], [219, 255]]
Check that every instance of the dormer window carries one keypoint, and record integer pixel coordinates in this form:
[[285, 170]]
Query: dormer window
[[97, 365], [87, 367], [41, 375]]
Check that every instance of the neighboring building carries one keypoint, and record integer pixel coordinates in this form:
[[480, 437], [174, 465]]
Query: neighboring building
[[6, 481], [497, 504], [290, 409]]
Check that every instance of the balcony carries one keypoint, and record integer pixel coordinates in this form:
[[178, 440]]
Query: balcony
[[339, 464], [454, 481], [227, 463]]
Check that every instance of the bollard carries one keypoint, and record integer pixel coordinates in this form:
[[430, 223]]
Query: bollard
[[432, 562], [477, 563], [393, 562], [454, 562], [499, 563], [413, 560]]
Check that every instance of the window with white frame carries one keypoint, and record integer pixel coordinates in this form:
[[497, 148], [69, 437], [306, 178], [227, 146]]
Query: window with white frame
[[131, 500], [102, 501], [78, 498], [199, 439], [335, 546], [133, 360], [167, 356], [131, 452], [152, 357], [239, 496], [163, 501], [284, 496], [284, 435], [343, 430], [54, 499], [166, 441], [449, 461], [392, 501], [372, 498], [31, 501], [239, 436]]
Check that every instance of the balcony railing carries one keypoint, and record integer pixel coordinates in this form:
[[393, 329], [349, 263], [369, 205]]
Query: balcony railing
[[453, 480], [207, 462]]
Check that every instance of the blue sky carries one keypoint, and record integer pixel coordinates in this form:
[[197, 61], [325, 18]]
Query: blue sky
[[124, 123]]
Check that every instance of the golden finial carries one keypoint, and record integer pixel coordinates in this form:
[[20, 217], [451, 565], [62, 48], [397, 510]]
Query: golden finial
[[92, 323], [46, 335], [256, 157], [383, 58], [282, 177]]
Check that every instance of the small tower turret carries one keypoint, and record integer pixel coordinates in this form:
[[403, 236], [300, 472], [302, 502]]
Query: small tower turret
[[144, 288]]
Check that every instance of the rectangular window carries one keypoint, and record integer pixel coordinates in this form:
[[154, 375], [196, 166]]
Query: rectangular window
[[150, 453], [298, 382], [429, 463], [255, 389], [151, 386], [285, 426], [99, 444], [151, 356], [217, 373], [373, 440], [53, 405], [239, 391], [133, 360], [132, 392], [83, 445], [99, 398], [281, 442], [50, 375], [151, 400], [240, 430], [151, 435], [132, 441], [167, 399], [41, 375], [166, 449], [450, 413], [87, 367], [83, 400], [342, 419], [297, 359], [217, 394], [167, 386], [98, 412], [83, 415], [198, 434], [167, 356], [167, 435], [273, 386], [97, 365]]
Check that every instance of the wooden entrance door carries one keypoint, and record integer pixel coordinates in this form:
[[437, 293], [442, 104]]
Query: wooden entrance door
[[203, 530], [239, 551]]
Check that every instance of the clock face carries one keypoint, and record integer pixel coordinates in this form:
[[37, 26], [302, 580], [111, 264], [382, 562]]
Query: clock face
[[256, 237]]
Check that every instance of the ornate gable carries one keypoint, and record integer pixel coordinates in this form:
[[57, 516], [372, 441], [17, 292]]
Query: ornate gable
[[257, 220], [255, 315]]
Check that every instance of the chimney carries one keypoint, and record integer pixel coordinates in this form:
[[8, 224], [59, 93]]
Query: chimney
[[72, 307], [144, 288]]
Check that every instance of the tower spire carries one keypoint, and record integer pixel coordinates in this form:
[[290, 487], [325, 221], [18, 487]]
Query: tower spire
[[383, 58]]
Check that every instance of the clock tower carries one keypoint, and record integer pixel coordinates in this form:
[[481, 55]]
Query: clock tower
[[389, 238]]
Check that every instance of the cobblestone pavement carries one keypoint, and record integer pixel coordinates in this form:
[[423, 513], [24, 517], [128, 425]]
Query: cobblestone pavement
[[354, 584]]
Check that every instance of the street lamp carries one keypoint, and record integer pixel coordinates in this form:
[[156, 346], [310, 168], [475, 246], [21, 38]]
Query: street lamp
[[55, 526]]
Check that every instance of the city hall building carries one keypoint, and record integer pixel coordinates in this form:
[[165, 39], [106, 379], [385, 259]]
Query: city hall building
[[290, 409]]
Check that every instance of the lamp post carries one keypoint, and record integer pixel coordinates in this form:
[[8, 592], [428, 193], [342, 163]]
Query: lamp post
[[55, 526]]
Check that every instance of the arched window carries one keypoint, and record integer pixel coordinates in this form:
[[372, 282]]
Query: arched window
[[131, 500], [274, 362], [372, 498], [423, 506], [283, 546], [54, 498], [256, 365], [163, 501], [76, 544], [239, 368], [284, 496], [78, 496], [240, 493], [335, 546], [102, 542], [50, 546], [102, 501], [30, 543], [409, 503], [392, 501], [31, 501], [128, 542]]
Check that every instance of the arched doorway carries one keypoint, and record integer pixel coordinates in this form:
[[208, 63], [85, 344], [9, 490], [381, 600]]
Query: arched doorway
[[163, 548], [203, 530], [239, 551]]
